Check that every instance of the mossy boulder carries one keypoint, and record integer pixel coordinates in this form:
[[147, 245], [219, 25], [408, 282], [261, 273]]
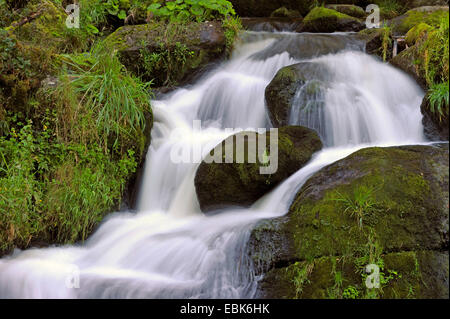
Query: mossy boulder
[[281, 90], [283, 12], [325, 20], [169, 54], [43, 23], [241, 182], [431, 15], [348, 9], [321, 247], [417, 32]]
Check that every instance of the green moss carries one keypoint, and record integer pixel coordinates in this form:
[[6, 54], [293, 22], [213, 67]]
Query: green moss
[[403, 275], [399, 211], [350, 10], [283, 12], [414, 17], [321, 12], [286, 73], [417, 32]]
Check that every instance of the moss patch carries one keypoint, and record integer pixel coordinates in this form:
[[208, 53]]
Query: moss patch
[[415, 17], [417, 32], [377, 206]]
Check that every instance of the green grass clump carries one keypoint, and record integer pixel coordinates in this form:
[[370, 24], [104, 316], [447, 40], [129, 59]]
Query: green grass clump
[[434, 52], [117, 100], [386, 40], [438, 97], [389, 8], [232, 26], [360, 205]]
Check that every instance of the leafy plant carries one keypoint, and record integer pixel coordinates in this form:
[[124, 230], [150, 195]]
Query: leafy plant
[[168, 60], [185, 10], [360, 205], [301, 277], [350, 293]]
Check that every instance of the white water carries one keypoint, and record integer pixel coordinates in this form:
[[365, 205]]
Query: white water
[[168, 248]]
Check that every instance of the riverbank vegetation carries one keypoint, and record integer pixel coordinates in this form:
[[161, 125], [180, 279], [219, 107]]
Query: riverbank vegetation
[[74, 121]]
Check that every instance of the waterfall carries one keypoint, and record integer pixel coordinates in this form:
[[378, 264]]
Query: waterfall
[[168, 248]]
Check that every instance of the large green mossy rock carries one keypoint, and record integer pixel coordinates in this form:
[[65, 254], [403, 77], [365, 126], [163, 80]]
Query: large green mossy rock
[[431, 15], [227, 184], [321, 247], [44, 24], [348, 9], [417, 32], [325, 20], [192, 46]]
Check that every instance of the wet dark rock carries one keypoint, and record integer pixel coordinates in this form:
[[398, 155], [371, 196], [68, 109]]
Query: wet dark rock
[[281, 90], [435, 126], [220, 185]]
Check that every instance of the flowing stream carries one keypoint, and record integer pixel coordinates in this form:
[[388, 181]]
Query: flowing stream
[[168, 248]]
